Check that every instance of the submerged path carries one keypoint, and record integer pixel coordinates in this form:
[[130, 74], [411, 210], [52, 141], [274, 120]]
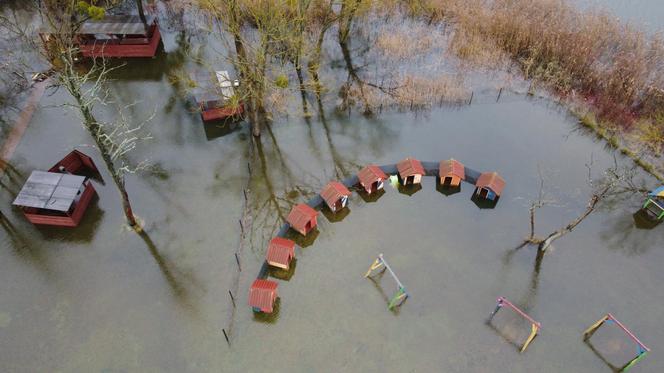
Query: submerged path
[[430, 168], [21, 123]]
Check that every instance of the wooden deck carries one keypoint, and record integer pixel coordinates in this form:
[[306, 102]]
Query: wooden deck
[[221, 113], [104, 49]]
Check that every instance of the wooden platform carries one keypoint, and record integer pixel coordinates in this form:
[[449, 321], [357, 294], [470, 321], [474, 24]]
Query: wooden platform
[[109, 49]]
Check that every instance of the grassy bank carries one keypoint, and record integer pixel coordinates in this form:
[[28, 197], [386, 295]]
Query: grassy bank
[[612, 70]]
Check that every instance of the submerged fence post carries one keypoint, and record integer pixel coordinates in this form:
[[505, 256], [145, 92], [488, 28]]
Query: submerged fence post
[[232, 298], [237, 259], [226, 336], [241, 226], [472, 93], [499, 93]]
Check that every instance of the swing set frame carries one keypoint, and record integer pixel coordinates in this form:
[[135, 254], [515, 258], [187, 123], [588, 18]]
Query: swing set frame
[[609, 318], [534, 325], [400, 296]]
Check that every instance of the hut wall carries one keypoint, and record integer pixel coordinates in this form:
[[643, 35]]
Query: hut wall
[[450, 180], [103, 49]]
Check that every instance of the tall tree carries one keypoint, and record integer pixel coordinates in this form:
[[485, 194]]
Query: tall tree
[[87, 88]]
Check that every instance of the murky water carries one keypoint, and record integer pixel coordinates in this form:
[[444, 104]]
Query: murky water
[[99, 298]]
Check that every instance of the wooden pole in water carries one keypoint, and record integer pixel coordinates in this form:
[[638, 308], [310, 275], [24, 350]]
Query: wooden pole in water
[[472, 93], [499, 93], [237, 259], [232, 298], [226, 336]]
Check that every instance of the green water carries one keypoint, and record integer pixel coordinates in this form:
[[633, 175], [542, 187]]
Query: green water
[[99, 298]]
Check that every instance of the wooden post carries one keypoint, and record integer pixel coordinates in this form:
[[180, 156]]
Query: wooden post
[[237, 259], [499, 93], [472, 93], [226, 336], [232, 298]]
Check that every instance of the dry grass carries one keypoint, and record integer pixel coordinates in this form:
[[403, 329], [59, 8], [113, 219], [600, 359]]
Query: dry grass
[[616, 66]]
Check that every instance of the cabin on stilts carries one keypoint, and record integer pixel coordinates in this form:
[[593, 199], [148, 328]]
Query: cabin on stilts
[[371, 178], [654, 204], [641, 349], [215, 95], [335, 195], [115, 36], [262, 295], [410, 171], [52, 198], [489, 186], [280, 252], [451, 172], [302, 218]]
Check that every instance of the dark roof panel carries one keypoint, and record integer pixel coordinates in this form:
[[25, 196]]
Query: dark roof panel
[[49, 190], [115, 24]]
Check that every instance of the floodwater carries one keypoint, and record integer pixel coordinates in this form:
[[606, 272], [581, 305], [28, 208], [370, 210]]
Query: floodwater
[[100, 298]]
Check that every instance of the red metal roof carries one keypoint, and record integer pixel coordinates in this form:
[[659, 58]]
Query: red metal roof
[[281, 251], [370, 174], [492, 181], [300, 215], [262, 294], [333, 191], [452, 167], [410, 167]]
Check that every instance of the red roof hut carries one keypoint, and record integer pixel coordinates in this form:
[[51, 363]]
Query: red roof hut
[[302, 218], [262, 295], [75, 163], [410, 171], [451, 172], [51, 198], [215, 95], [335, 195], [489, 185], [280, 252], [371, 178]]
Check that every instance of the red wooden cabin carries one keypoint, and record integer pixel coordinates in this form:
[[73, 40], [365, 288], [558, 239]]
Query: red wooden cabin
[[335, 195], [410, 171], [280, 252], [75, 163], [302, 218], [262, 295], [371, 178], [214, 95], [58, 199], [451, 172], [119, 36], [489, 186]]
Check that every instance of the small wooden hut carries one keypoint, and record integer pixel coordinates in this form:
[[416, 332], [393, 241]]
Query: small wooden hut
[[280, 252], [335, 195], [489, 186], [75, 163], [371, 178], [215, 95], [302, 218], [410, 171], [116, 36], [654, 204], [451, 172], [58, 199], [262, 295]]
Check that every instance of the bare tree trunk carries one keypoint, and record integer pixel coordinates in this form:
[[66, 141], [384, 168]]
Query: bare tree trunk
[[91, 124], [569, 227]]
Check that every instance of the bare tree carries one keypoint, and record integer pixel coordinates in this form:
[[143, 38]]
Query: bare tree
[[87, 88]]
